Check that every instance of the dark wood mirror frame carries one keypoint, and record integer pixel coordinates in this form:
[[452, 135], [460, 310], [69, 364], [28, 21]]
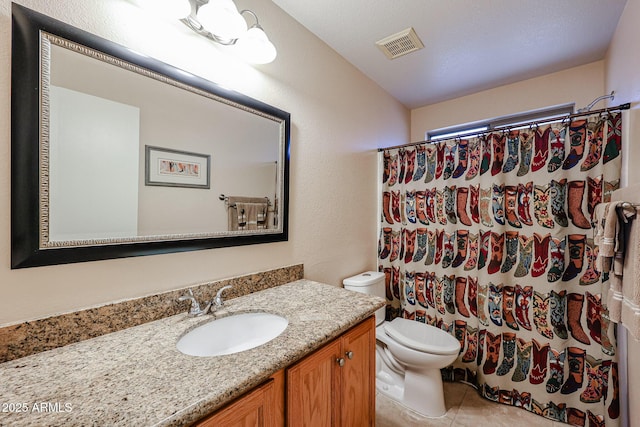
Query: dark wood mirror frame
[[26, 249]]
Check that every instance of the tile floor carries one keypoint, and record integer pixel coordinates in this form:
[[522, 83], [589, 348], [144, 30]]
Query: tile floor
[[465, 408]]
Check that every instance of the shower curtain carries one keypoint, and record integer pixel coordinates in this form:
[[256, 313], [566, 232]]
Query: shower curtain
[[490, 239]]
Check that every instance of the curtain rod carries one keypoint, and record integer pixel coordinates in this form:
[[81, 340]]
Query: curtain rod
[[518, 126]]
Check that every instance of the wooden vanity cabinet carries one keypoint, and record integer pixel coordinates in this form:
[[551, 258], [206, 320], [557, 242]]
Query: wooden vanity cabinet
[[261, 407], [335, 385]]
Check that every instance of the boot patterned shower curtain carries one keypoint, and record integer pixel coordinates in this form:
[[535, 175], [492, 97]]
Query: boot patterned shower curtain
[[490, 238]]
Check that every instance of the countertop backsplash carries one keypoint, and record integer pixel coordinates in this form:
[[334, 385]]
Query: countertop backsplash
[[32, 337]]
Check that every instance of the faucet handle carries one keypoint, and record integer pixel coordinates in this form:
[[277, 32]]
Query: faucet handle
[[218, 301], [195, 309], [187, 296]]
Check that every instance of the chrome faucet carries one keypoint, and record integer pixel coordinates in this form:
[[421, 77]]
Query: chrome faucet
[[195, 309], [217, 301]]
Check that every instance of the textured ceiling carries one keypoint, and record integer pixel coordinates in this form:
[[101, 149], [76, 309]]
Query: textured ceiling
[[470, 45]]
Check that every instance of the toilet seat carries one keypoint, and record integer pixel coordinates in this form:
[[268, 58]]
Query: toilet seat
[[421, 337]]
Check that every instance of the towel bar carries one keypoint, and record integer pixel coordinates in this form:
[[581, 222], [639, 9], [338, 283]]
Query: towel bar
[[233, 205]]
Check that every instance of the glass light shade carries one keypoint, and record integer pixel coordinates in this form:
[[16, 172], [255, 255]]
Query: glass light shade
[[255, 47], [221, 18]]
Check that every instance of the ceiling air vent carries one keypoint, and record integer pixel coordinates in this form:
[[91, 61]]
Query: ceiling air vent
[[396, 45]]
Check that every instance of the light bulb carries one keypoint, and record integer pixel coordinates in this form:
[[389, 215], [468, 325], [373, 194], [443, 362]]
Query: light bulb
[[255, 47], [221, 18]]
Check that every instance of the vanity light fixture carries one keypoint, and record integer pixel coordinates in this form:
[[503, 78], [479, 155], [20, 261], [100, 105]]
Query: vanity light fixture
[[221, 22]]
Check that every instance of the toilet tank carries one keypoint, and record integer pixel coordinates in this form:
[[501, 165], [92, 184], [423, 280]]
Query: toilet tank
[[369, 282]]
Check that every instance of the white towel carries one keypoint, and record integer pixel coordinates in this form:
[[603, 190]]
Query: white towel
[[623, 296], [605, 234]]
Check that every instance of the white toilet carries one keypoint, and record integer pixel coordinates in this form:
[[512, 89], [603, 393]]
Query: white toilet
[[409, 354]]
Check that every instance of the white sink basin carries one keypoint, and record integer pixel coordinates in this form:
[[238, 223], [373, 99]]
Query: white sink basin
[[232, 334]]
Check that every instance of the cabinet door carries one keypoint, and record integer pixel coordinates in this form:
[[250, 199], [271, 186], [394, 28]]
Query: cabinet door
[[358, 375], [261, 407], [313, 389]]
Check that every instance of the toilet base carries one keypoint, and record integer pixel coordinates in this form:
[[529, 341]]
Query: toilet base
[[386, 385], [421, 391]]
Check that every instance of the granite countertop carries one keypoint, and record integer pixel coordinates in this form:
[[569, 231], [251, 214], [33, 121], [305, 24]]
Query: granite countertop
[[137, 376]]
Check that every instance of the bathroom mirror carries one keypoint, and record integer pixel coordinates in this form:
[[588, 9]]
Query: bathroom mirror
[[115, 154]]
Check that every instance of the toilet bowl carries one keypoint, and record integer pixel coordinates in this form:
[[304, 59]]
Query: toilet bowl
[[409, 354], [419, 352]]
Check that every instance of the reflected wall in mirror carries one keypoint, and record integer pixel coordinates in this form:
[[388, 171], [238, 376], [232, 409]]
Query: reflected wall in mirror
[[115, 154]]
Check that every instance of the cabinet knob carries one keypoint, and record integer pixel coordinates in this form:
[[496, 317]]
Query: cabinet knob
[[349, 354], [340, 362]]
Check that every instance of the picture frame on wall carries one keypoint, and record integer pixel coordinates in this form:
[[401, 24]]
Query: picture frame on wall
[[175, 168]]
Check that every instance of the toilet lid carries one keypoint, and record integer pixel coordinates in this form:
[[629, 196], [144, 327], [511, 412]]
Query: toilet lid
[[421, 337]]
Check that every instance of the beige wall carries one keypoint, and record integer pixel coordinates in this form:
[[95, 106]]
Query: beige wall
[[579, 85], [339, 118], [623, 76]]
